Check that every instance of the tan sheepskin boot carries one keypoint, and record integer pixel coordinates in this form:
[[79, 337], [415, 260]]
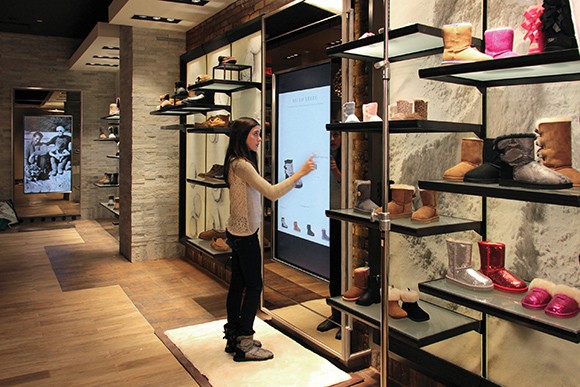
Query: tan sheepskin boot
[[428, 212], [471, 158], [401, 204], [457, 45]]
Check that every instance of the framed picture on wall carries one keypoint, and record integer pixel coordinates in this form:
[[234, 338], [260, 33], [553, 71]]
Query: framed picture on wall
[[47, 154]]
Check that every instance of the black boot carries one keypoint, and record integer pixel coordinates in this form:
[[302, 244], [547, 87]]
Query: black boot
[[488, 172], [330, 323], [230, 337], [557, 25], [372, 294]]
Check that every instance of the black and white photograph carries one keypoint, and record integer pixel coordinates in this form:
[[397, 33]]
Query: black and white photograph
[[47, 154]]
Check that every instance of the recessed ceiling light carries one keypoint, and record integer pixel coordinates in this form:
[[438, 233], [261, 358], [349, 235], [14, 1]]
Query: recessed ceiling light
[[156, 19], [102, 64], [105, 57], [110, 48], [190, 2]]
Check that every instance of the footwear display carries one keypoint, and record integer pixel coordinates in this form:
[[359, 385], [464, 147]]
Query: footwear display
[[289, 171], [331, 322], [309, 230], [395, 310], [114, 178], [410, 304], [372, 294], [219, 244], [555, 143], [111, 201], [247, 350], [533, 26], [370, 112], [180, 91], [283, 221], [539, 294], [401, 204], [457, 45], [348, 112], [226, 60], [409, 110], [219, 121], [215, 173], [208, 235], [363, 202], [113, 109], [203, 78], [488, 172], [325, 236], [106, 179], [428, 211], [564, 302], [519, 168], [499, 43], [359, 284], [492, 255], [116, 206], [296, 228], [557, 25], [471, 158], [460, 271], [164, 101], [230, 337]]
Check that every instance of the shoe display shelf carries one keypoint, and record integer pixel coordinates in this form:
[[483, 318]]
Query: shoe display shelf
[[187, 110], [216, 263], [231, 68], [105, 185], [207, 182], [406, 126], [113, 120], [110, 208]]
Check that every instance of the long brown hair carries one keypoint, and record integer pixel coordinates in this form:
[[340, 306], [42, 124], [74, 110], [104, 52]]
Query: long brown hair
[[238, 148]]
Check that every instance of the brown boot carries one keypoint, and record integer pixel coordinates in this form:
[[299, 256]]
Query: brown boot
[[401, 204], [471, 158], [359, 284], [428, 212], [395, 310], [457, 45], [555, 142]]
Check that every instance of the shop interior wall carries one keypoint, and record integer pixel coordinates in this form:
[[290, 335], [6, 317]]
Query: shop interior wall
[[38, 61], [541, 240]]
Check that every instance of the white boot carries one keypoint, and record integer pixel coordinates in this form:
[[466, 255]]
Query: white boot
[[348, 111], [370, 112]]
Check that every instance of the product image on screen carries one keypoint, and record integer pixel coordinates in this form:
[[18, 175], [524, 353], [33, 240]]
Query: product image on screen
[[303, 110], [47, 154]]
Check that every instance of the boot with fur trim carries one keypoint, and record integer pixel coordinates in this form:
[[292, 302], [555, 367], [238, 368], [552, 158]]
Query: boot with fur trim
[[564, 303], [457, 45], [372, 294], [246, 350], [363, 202], [555, 142], [359, 284], [395, 310], [539, 295], [428, 212], [410, 300], [471, 158], [401, 204]]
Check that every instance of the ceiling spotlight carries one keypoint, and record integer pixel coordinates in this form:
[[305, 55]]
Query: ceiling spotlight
[[156, 19], [292, 56]]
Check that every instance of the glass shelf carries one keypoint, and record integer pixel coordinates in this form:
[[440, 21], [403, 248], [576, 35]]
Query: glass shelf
[[444, 225], [187, 110], [214, 183], [226, 86], [100, 185], [205, 246], [555, 66], [112, 117], [408, 42], [107, 139], [113, 157], [110, 208], [190, 128], [406, 126], [506, 306], [442, 324], [563, 197]]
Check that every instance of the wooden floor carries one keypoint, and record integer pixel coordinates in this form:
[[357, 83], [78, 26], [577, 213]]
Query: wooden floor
[[75, 312], [44, 206]]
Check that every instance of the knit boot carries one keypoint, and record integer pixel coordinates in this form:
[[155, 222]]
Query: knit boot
[[246, 350], [410, 299], [359, 284], [230, 337], [428, 212], [492, 255], [370, 112], [372, 294], [555, 141], [401, 204], [471, 158], [533, 26], [557, 25], [460, 270], [499, 43], [457, 45], [348, 112], [289, 171], [518, 167], [488, 172], [363, 202], [395, 310]]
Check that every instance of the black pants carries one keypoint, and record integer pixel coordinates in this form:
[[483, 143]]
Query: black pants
[[246, 283]]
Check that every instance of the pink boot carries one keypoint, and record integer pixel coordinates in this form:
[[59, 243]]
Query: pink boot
[[370, 112], [499, 43], [533, 27], [492, 256]]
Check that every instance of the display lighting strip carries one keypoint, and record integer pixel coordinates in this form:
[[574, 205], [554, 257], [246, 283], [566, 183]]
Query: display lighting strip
[[190, 2], [111, 48], [106, 57], [158, 19], [292, 56], [102, 64]]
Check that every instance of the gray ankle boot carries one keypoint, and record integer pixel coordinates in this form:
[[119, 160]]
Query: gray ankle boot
[[246, 350], [519, 168], [363, 202]]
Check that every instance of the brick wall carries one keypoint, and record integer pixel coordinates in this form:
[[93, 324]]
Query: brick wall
[[149, 164], [39, 61]]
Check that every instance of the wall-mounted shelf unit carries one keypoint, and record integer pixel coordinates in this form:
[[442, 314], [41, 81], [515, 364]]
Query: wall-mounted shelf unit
[[406, 126], [110, 208], [210, 183]]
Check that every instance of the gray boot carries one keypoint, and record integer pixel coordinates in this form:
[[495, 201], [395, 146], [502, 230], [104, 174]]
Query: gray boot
[[246, 350], [348, 112], [363, 202], [460, 270], [519, 168]]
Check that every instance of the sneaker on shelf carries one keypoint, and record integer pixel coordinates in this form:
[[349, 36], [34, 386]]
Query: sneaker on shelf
[[216, 172], [227, 60]]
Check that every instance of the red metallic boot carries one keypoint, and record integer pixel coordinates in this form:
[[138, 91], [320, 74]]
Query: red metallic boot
[[492, 256]]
